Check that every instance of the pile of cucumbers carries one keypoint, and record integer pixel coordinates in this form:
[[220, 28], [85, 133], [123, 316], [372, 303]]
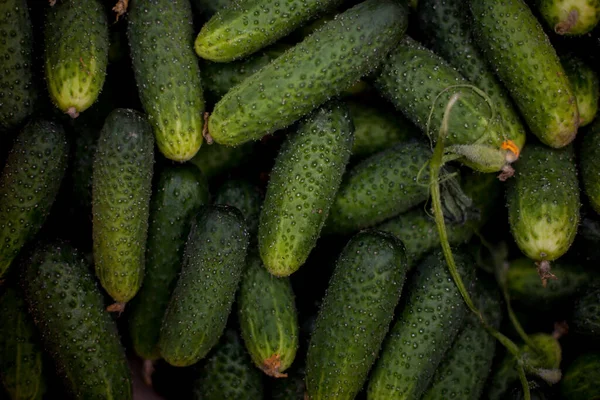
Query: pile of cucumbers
[[299, 199]]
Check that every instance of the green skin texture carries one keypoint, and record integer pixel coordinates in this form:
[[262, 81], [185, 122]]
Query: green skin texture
[[229, 373], [244, 196], [302, 187], [531, 71], [431, 316], [76, 54], [21, 367], [323, 65], [122, 184], [586, 86], [268, 318], [246, 27], [543, 202], [67, 307], [570, 17], [589, 166], [580, 380], [29, 184], [201, 302], [17, 92], [166, 70], [586, 314], [411, 78], [216, 159], [355, 315], [178, 195]]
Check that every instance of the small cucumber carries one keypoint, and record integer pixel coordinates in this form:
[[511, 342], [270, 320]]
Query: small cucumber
[[122, 180], [580, 380], [215, 159], [585, 84], [590, 168], [29, 184], [326, 63], [586, 314], [178, 195], [431, 316], [212, 267], [244, 196], [306, 175], [76, 55], [570, 17], [531, 71], [67, 307]]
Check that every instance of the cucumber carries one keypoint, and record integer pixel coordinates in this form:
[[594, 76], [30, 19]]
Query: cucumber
[[212, 267], [21, 366], [431, 316], [303, 182], [166, 70], [570, 17], [179, 193], [215, 159], [87, 133], [590, 169], [67, 307], [580, 381], [268, 319], [585, 84], [244, 196], [229, 373], [17, 91], [586, 314], [76, 54], [355, 315], [543, 203], [307, 75], [122, 180], [240, 30], [531, 71], [29, 184]]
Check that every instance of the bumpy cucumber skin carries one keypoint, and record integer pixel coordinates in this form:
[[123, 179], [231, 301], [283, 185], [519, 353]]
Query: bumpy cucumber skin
[[179, 193], [543, 202], [570, 17], [380, 187], [531, 71], [245, 27], [585, 84], [17, 91], [244, 196], [586, 314], [166, 70], [212, 267], [21, 367], [302, 187], [68, 309], [590, 168], [326, 63], [268, 318], [122, 185], [229, 373], [29, 184], [580, 380], [76, 54], [355, 315], [430, 318]]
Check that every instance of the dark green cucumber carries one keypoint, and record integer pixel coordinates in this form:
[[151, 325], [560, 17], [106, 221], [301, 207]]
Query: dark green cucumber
[[178, 195], [215, 159], [122, 180], [229, 373], [570, 17], [586, 314], [244, 196], [580, 380], [29, 184], [268, 319], [308, 74], [302, 187], [543, 202], [531, 71], [589, 166], [21, 367], [212, 267], [17, 91], [585, 84], [166, 70], [240, 30], [68, 309], [76, 55], [291, 388], [431, 316], [87, 133]]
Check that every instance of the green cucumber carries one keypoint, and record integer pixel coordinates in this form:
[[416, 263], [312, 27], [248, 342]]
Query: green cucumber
[[215, 159], [76, 54], [17, 91], [302, 186], [166, 70], [268, 319], [590, 168], [570, 17], [21, 368], [355, 315], [431, 316], [122, 180], [240, 30], [179, 193], [585, 84], [244, 196], [212, 267], [531, 70], [580, 380], [308, 74], [29, 184], [586, 314], [67, 307]]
